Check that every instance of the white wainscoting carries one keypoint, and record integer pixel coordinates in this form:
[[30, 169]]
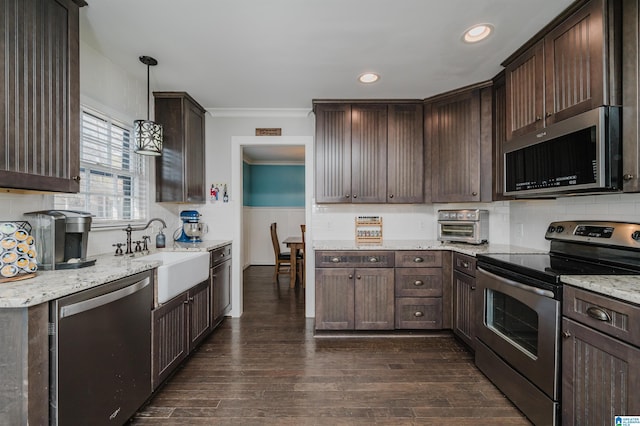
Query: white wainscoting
[[256, 234]]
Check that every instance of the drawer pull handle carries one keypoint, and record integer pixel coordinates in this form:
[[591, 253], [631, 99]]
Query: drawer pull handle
[[335, 260], [418, 314], [598, 314], [418, 283], [374, 260], [566, 334], [465, 264], [418, 260]]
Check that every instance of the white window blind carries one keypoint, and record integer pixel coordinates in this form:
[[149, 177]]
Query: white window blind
[[112, 185]]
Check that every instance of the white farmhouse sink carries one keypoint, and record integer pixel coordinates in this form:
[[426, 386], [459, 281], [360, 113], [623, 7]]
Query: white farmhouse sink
[[179, 271]]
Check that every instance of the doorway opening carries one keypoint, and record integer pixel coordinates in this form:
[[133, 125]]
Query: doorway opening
[[251, 239]]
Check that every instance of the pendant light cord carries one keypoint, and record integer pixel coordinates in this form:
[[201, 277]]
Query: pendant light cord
[[148, 102]]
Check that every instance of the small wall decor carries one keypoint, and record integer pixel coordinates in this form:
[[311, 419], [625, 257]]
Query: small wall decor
[[219, 192], [268, 131]]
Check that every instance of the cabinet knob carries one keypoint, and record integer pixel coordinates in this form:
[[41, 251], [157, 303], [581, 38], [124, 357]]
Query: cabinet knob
[[628, 176], [359, 277], [76, 178], [346, 196], [566, 334], [473, 287], [538, 117], [598, 314], [418, 283], [418, 314], [418, 259], [549, 114], [390, 195], [465, 264], [335, 260], [355, 196], [350, 276], [474, 193], [373, 260]]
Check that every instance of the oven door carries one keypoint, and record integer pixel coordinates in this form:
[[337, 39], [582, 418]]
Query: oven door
[[520, 323], [462, 231]]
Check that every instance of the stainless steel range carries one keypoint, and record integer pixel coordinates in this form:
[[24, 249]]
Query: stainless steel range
[[519, 307]]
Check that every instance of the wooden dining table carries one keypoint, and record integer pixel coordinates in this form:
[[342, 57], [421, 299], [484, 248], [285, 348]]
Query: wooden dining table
[[294, 244]]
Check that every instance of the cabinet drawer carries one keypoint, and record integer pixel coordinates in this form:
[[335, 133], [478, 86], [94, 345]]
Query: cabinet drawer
[[354, 259], [421, 258], [219, 255], [418, 282], [613, 317], [465, 264], [419, 313]]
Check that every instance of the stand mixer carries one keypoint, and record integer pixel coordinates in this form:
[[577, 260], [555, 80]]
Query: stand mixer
[[192, 229]]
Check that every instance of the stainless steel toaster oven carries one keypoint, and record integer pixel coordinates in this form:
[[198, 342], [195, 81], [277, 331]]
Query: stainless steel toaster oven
[[463, 226]]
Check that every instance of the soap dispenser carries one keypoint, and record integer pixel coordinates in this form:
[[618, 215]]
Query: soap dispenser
[[160, 240]]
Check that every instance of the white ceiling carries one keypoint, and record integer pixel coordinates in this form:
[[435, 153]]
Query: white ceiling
[[284, 53]]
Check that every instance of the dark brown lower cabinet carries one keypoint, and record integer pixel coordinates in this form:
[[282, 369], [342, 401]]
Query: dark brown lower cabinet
[[600, 376], [464, 285], [354, 299], [178, 327], [600, 358], [424, 313]]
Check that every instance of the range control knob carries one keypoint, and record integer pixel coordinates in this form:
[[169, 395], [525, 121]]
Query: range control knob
[[551, 229], [559, 229], [636, 235]]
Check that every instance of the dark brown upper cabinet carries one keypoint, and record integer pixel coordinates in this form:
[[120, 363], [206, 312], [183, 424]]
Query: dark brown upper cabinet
[[180, 171], [369, 152], [499, 135], [570, 67], [40, 90], [405, 148], [630, 96], [458, 136]]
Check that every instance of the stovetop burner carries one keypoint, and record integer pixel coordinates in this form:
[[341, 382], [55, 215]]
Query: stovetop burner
[[577, 248]]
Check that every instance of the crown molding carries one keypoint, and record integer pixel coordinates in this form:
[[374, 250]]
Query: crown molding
[[259, 112]]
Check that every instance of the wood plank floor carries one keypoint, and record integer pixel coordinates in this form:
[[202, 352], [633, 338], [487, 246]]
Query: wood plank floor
[[268, 368]]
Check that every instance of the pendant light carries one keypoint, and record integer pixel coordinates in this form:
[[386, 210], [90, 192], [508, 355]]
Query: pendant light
[[147, 134]]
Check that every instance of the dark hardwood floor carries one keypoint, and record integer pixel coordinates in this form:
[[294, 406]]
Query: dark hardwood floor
[[268, 368]]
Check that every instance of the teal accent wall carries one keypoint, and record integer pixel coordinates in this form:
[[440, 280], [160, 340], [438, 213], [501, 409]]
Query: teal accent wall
[[273, 185]]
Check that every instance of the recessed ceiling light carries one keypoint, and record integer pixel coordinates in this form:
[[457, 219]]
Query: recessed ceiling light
[[477, 33], [368, 77]]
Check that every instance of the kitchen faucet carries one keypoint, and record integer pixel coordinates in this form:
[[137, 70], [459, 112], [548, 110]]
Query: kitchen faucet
[[130, 229]]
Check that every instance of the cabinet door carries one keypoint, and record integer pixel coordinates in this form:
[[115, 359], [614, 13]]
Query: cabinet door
[[600, 376], [180, 170], [170, 340], [405, 165], [220, 291], [463, 307], [369, 153], [525, 92], [194, 153], [334, 299], [374, 299], [575, 64], [499, 136], [455, 148], [333, 153], [199, 313], [40, 96], [631, 95]]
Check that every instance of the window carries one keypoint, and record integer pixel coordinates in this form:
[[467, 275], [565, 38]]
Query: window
[[112, 185]]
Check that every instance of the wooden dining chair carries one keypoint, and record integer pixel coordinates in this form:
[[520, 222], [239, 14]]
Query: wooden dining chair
[[283, 259], [303, 260]]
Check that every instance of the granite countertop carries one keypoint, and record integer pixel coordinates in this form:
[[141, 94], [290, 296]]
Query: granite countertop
[[623, 287], [50, 285], [470, 249]]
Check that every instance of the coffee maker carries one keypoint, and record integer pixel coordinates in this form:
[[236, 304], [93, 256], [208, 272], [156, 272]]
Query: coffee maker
[[192, 229], [61, 238]]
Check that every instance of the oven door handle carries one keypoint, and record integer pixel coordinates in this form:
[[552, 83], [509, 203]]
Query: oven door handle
[[525, 287]]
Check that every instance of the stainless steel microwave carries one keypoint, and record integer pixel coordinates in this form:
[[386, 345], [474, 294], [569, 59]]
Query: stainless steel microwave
[[582, 154]]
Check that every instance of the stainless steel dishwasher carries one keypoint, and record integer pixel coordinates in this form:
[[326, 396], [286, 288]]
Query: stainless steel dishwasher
[[100, 342]]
